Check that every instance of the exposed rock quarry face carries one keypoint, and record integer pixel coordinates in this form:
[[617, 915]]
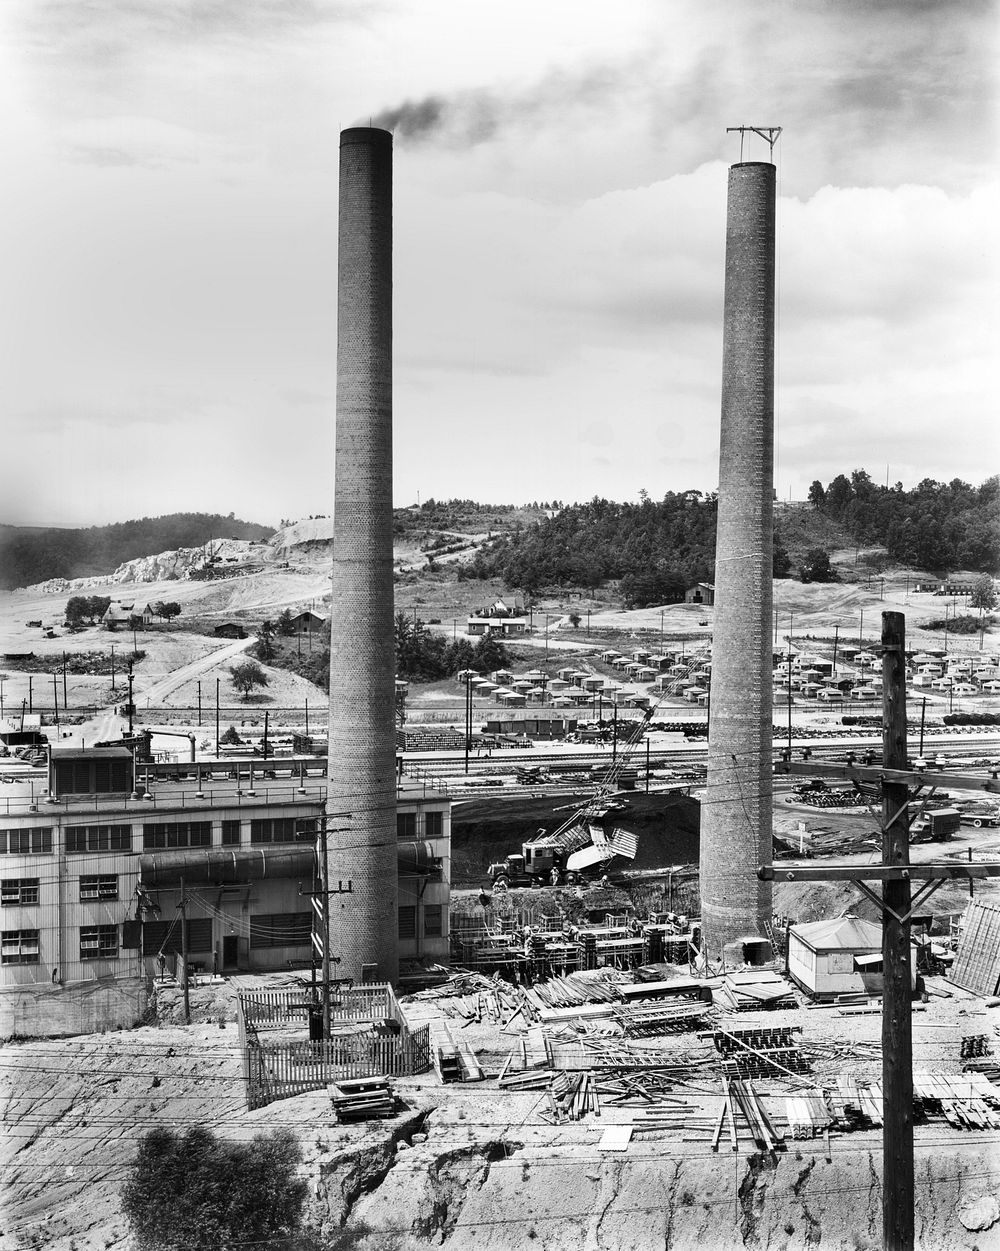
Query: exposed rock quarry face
[[163, 567]]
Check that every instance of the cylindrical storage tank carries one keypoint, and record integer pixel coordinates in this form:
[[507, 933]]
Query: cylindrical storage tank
[[736, 820], [362, 763]]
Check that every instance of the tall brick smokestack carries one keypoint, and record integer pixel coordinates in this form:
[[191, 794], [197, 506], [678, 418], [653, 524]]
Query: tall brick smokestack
[[736, 814], [362, 742]]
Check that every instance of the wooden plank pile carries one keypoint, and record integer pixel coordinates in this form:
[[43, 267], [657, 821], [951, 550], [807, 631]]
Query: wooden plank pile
[[976, 1045], [638, 1089], [855, 1106], [743, 1101], [807, 1113], [966, 1102], [453, 1061], [575, 989], [571, 1098], [753, 990], [760, 1052], [661, 1018], [361, 1098]]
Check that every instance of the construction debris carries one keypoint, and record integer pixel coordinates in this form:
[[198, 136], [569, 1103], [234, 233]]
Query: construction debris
[[760, 1052], [361, 1098]]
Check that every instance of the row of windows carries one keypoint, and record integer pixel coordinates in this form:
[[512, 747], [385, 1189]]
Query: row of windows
[[433, 921], [25, 842], [19, 891], [90, 838], [275, 829], [81, 838], [97, 942], [177, 834], [406, 824]]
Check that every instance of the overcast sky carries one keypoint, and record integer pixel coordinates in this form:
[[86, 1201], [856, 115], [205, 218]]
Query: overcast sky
[[168, 227]]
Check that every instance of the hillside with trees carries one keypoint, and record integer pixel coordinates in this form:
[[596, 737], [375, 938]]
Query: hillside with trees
[[32, 554], [936, 526], [656, 549]]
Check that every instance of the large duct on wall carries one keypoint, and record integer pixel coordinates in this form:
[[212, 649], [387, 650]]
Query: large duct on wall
[[362, 751], [736, 815]]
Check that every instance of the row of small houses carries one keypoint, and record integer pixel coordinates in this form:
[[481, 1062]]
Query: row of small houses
[[812, 678]]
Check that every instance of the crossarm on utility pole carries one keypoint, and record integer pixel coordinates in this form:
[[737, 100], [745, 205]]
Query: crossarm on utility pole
[[883, 774]]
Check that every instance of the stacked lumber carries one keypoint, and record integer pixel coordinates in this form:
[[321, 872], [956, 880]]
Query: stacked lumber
[[661, 1018], [571, 1098], [760, 1052], [754, 990], [743, 1101], [361, 1098], [966, 1102], [807, 1113], [453, 1061], [989, 1069], [636, 1089], [976, 1045], [576, 989], [855, 1106]]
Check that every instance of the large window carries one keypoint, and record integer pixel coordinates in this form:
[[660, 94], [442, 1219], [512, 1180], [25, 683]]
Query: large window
[[230, 833], [281, 929], [274, 830], [98, 886], [81, 838], [434, 824], [433, 914], [168, 834], [15, 891], [20, 946], [406, 825], [98, 942], [408, 921], [25, 842]]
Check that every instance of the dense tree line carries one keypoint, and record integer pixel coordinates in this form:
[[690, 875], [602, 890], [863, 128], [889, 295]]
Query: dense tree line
[[936, 526], [656, 548], [29, 555], [422, 655], [425, 656]]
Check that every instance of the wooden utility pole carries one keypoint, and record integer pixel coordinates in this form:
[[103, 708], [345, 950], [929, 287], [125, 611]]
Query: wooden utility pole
[[897, 1033], [897, 905], [184, 954]]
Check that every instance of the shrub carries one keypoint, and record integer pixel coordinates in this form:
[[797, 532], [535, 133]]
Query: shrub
[[194, 1192]]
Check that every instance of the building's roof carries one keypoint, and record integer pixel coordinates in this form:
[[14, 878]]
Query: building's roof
[[847, 933], [90, 753]]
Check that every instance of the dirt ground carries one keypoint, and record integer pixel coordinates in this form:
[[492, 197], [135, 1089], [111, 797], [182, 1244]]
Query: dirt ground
[[474, 1164]]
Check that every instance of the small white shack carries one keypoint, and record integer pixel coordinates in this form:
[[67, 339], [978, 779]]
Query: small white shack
[[838, 957]]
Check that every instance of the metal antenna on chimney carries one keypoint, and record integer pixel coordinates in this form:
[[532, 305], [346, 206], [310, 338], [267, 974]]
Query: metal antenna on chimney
[[770, 133]]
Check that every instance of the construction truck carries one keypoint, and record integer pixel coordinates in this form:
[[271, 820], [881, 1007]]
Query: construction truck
[[934, 824], [585, 844], [581, 850]]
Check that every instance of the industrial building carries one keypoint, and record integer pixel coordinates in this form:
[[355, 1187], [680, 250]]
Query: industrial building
[[94, 872]]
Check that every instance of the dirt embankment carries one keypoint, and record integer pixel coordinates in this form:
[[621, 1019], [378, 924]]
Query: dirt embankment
[[474, 1165], [483, 831]]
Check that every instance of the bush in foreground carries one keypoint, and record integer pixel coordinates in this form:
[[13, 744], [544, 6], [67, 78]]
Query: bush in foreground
[[192, 1191]]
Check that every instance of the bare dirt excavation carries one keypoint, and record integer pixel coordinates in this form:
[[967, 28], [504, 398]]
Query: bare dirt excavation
[[477, 1164]]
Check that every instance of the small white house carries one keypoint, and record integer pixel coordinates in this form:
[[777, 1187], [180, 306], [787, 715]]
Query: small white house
[[838, 957]]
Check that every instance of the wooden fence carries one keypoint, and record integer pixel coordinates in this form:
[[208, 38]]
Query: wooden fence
[[276, 1069]]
